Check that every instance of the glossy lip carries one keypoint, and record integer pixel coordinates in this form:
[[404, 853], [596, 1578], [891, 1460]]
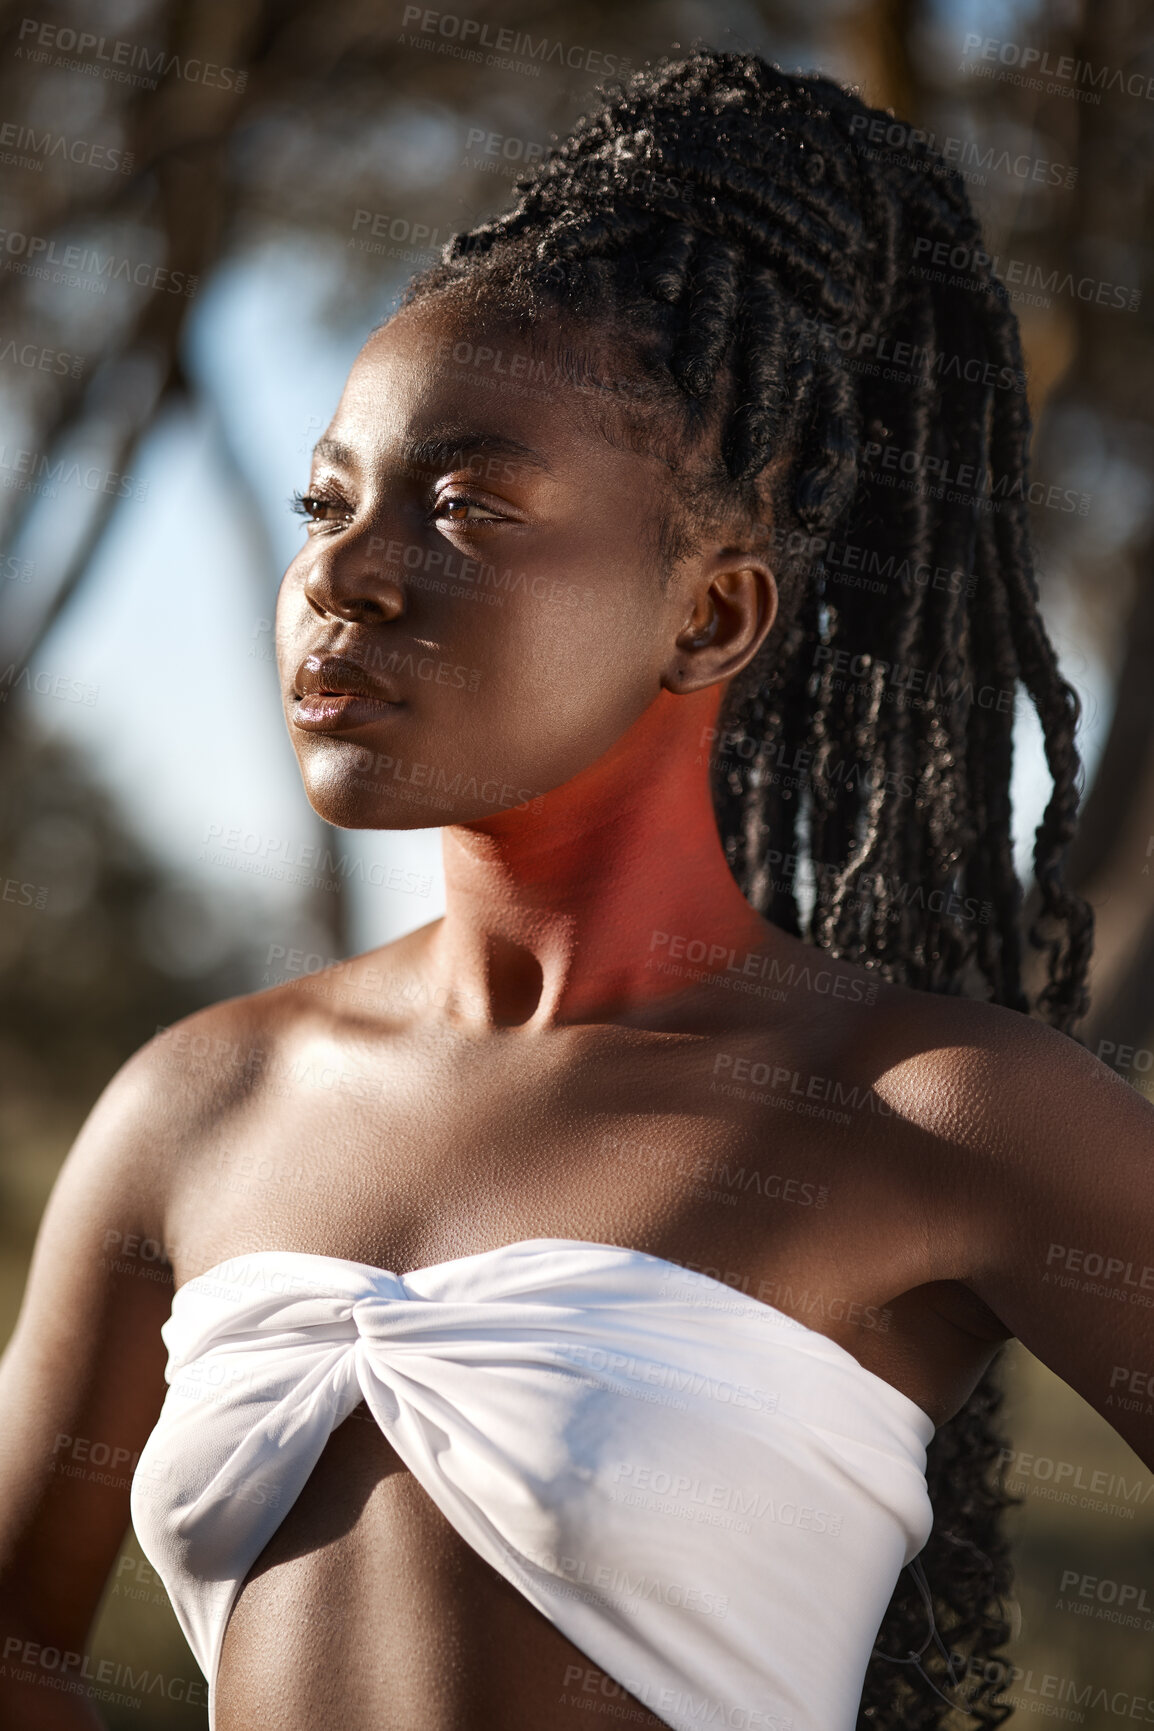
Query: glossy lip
[[331, 693]]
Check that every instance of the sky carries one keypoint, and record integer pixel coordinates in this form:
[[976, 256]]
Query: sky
[[173, 625]]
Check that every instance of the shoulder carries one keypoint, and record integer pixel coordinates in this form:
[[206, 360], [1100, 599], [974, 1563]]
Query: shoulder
[[1029, 1148], [1045, 1197], [193, 1076], [232, 1041], [1004, 1086]]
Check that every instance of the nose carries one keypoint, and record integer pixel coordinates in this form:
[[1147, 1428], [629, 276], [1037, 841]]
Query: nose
[[346, 578]]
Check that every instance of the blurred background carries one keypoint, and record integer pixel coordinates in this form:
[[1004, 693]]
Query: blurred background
[[206, 203]]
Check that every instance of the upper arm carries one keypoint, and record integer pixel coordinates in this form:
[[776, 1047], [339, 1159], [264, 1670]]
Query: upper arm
[[82, 1380], [1059, 1202]]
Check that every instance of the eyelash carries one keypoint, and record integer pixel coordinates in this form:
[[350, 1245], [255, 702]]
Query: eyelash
[[471, 504], [308, 505]]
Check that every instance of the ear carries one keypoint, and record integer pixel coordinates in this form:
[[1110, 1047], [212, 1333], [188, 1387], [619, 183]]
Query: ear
[[731, 608]]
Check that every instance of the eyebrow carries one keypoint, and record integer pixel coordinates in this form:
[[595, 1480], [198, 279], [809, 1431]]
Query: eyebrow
[[335, 452], [445, 449], [442, 450]]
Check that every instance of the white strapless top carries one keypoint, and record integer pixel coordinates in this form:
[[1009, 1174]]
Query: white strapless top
[[711, 1500]]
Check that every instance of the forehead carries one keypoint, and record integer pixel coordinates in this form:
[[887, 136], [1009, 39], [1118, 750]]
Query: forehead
[[442, 365]]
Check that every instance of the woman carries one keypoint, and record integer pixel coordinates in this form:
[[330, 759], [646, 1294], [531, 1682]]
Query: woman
[[687, 498]]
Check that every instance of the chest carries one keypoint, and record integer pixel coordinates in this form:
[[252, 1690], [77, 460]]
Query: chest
[[771, 1173]]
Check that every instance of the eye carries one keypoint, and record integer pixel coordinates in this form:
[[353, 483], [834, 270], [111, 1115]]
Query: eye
[[316, 509], [457, 508]]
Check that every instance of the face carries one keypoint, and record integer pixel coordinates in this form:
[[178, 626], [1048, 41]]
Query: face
[[476, 614]]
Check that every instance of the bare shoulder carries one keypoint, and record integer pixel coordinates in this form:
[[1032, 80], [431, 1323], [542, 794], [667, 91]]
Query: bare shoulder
[[1036, 1164], [1002, 1086], [194, 1074], [216, 1058], [87, 1357]]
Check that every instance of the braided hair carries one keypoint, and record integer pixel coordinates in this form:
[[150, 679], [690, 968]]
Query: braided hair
[[766, 248]]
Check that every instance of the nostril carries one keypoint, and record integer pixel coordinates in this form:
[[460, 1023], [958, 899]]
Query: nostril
[[364, 610]]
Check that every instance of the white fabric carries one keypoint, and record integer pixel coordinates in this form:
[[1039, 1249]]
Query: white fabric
[[711, 1500]]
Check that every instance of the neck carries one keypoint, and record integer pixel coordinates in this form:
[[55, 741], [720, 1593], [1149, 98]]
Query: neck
[[560, 915]]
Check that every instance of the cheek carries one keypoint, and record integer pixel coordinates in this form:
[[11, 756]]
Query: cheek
[[290, 610], [562, 683]]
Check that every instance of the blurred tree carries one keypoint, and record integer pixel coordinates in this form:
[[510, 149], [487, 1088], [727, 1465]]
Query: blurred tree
[[319, 112], [98, 947], [1089, 389]]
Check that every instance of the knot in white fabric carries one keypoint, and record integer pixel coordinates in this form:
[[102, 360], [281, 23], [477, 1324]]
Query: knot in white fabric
[[709, 1499]]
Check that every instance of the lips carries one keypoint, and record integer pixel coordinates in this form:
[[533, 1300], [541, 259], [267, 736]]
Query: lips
[[331, 693]]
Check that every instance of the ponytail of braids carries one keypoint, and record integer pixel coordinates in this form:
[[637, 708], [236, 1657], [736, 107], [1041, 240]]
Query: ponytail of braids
[[741, 227]]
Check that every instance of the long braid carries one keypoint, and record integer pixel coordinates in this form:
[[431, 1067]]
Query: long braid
[[727, 221]]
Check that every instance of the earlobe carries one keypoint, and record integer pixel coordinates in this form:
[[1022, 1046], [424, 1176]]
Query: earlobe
[[740, 605]]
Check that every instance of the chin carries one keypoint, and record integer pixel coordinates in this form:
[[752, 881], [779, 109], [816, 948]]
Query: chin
[[352, 801], [359, 789]]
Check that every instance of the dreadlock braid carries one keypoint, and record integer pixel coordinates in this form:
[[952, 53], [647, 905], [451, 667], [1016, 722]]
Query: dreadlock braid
[[727, 224]]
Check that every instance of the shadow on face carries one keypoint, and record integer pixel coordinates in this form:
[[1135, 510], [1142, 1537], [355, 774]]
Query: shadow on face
[[479, 611]]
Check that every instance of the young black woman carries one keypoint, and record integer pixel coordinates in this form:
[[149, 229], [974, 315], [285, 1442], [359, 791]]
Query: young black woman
[[669, 548]]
